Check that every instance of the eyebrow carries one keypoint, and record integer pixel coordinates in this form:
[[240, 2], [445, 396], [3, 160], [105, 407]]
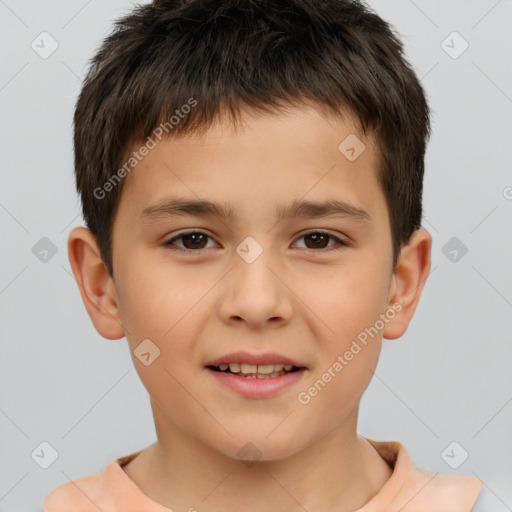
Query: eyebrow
[[297, 209]]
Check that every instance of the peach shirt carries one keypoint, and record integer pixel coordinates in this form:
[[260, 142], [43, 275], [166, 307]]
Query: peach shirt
[[409, 489]]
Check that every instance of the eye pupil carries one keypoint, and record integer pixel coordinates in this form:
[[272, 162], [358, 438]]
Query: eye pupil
[[194, 241], [195, 237], [317, 238]]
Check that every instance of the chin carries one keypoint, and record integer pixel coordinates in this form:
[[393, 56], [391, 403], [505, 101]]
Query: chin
[[251, 449]]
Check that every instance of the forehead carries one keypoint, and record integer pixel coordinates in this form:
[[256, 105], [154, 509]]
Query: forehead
[[297, 154]]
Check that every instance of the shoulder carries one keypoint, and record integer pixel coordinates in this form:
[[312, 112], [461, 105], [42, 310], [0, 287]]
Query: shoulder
[[91, 493], [485, 502], [411, 489], [447, 491], [81, 494]]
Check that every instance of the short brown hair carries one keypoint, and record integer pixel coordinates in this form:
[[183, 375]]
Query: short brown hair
[[262, 54]]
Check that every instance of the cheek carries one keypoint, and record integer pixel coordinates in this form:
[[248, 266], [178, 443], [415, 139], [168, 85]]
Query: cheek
[[350, 304], [163, 305], [337, 383], [156, 300], [348, 300]]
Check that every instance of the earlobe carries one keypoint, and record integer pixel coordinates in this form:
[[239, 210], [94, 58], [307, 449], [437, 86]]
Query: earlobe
[[97, 287], [408, 281]]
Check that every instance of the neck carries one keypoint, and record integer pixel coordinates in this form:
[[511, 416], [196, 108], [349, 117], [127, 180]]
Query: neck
[[339, 473]]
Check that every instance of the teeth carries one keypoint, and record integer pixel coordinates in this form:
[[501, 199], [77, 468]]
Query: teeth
[[248, 368], [265, 368], [234, 367], [262, 376], [256, 371]]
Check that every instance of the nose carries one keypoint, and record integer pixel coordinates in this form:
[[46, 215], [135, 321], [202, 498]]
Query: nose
[[256, 294]]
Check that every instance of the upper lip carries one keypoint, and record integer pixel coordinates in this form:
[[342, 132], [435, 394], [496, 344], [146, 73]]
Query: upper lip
[[257, 359]]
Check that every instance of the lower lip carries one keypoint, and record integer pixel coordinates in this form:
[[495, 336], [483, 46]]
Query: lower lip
[[257, 388]]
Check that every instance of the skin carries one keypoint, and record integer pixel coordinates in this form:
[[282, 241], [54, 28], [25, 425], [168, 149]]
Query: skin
[[306, 301]]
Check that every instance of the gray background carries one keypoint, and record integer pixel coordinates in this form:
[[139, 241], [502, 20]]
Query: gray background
[[448, 379]]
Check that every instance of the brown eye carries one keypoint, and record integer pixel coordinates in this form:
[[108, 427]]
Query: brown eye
[[318, 240], [192, 241]]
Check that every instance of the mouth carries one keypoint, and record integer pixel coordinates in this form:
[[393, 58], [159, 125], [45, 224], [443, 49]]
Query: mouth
[[256, 376], [255, 371]]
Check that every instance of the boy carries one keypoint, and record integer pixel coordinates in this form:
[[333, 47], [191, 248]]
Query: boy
[[251, 178]]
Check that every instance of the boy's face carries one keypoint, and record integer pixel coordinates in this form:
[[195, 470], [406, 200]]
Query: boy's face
[[305, 298]]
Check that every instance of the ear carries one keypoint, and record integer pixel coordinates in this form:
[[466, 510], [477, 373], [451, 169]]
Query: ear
[[407, 282], [97, 287]]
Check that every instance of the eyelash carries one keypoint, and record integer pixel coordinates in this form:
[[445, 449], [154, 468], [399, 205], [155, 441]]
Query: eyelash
[[341, 243]]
